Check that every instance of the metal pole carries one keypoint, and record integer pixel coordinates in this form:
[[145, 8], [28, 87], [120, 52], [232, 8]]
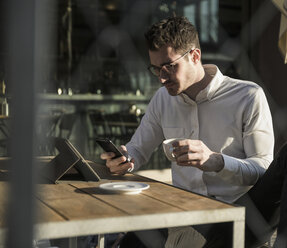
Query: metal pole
[[20, 44], [30, 43]]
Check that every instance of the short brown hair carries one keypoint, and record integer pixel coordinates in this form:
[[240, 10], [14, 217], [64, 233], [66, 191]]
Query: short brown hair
[[176, 32]]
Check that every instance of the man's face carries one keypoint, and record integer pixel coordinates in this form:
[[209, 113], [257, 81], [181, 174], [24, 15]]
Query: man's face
[[180, 75]]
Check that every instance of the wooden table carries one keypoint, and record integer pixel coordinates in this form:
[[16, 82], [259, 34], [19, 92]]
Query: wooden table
[[75, 208]]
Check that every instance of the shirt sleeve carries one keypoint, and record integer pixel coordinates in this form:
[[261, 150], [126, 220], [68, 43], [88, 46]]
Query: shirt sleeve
[[258, 144], [148, 135]]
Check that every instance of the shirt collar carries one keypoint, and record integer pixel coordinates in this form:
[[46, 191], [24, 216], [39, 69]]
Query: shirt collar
[[208, 92]]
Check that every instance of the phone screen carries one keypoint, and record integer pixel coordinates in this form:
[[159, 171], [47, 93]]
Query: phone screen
[[109, 146]]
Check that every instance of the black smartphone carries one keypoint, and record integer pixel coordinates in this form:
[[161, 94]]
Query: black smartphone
[[109, 146]]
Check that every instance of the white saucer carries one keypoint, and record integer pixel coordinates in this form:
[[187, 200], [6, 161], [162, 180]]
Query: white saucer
[[125, 187]]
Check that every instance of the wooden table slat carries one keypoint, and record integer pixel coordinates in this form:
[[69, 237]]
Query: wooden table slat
[[131, 204], [181, 198], [55, 191], [83, 208], [45, 213]]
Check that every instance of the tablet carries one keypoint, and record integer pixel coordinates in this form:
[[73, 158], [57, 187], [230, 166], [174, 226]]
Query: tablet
[[67, 158]]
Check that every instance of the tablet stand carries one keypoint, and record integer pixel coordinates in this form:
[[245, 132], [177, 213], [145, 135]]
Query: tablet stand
[[67, 158]]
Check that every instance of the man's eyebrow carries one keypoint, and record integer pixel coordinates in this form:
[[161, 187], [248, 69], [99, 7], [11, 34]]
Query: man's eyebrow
[[166, 63], [151, 65], [161, 65]]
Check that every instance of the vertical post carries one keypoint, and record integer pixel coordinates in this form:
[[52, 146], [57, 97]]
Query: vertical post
[[73, 242], [21, 44], [69, 42], [101, 240], [238, 234], [28, 42]]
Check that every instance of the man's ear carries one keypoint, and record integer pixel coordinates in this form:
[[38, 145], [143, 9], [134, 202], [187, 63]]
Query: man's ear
[[196, 55]]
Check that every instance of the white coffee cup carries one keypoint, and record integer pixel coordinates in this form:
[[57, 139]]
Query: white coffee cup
[[168, 148]]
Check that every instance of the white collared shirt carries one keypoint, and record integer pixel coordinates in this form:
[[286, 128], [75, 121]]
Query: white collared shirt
[[230, 116]]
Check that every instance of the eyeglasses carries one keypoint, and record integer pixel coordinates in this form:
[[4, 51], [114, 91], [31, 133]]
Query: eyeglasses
[[169, 67]]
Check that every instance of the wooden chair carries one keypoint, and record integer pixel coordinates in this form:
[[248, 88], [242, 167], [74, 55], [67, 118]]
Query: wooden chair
[[99, 128], [66, 124], [115, 129], [46, 127], [130, 123]]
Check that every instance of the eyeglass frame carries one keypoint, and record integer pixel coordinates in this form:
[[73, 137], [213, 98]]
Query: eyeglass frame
[[168, 66]]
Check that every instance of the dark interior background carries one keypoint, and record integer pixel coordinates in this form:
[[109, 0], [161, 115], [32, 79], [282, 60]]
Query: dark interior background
[[95, 48]]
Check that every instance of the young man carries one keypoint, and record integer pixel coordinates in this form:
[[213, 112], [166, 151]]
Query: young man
[[226, 122]]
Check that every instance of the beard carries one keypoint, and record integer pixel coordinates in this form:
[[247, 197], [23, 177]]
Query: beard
[[172, 87]]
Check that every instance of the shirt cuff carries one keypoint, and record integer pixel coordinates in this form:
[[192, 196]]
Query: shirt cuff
[[132, 153], [230, 168]]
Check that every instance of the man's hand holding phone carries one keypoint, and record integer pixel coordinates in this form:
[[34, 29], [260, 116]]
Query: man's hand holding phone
[[117, 160], [118, 165]]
